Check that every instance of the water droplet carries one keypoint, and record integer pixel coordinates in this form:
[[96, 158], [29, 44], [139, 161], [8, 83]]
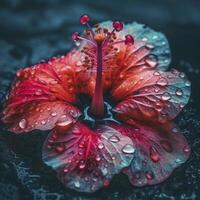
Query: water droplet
[[114, 139], [156, 73], [82, 165], [166, 96], [104, 171], [144, 39], [53, 114], [186, 149], [150, 46], [149, 175], [154, 155], [175, 130], [22, 124], [100, 145], [64, 123], [155, 37], [162, 82], [187, 83], [77, 184], [178, 161], [65, 170], [98, 158], [43, 122], [60, 149], [179, 92], [38, 92], [182, 75], [166, 146], [128, 148]]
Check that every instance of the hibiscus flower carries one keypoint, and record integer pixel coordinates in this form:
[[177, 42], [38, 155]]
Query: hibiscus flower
[[109, 104]]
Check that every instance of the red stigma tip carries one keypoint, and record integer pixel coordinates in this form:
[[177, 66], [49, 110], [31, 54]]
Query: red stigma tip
[[129, 39], [118, 26], [75, 36], [84, 19]]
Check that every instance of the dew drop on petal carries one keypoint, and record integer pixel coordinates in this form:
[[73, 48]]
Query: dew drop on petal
[[77, 184], [154, 155], [179, 92], [60, 149], [149, 175], [104, 171], [38, 92], [186, 149], [64, 123], [156, 73], [187, 83], [82, 165], [166, 96], [98, 158], [162, 82], [128, 148], [114, 139], [178, 161], [43, 122], [182, 75], [23, 123], [53, 114], [100, 145], [65, 170]]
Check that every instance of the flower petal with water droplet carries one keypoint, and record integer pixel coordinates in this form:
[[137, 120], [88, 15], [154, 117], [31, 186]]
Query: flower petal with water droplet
[[157, 97], [88, 158], [158, 151]]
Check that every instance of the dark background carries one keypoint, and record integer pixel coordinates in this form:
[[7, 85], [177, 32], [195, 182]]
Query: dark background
[[31, 30]]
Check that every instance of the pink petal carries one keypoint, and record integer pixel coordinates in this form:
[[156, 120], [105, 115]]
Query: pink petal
[[152, 95], [158, 152], [85, 159], [41, 115]]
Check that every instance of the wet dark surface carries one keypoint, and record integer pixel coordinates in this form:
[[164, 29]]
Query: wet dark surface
[[35, 30]]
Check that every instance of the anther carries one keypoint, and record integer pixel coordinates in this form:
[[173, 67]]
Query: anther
[[84, 19], [129, 39], [118, 26]]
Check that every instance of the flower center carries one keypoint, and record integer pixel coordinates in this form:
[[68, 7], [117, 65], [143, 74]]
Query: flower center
[[98, 50]]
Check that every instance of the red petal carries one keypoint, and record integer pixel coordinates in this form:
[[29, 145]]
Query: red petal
[[152, 95], [40, 115], [41, 91], [158, 152], [86, 160]]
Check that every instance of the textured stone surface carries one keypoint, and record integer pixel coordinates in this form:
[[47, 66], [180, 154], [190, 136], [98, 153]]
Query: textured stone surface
[[35, 30]]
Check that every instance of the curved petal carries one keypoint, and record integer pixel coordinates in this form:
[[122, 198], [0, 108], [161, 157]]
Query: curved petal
[[152, 95], [40, 115], [158, 152], [40, 92], [84, 159]]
